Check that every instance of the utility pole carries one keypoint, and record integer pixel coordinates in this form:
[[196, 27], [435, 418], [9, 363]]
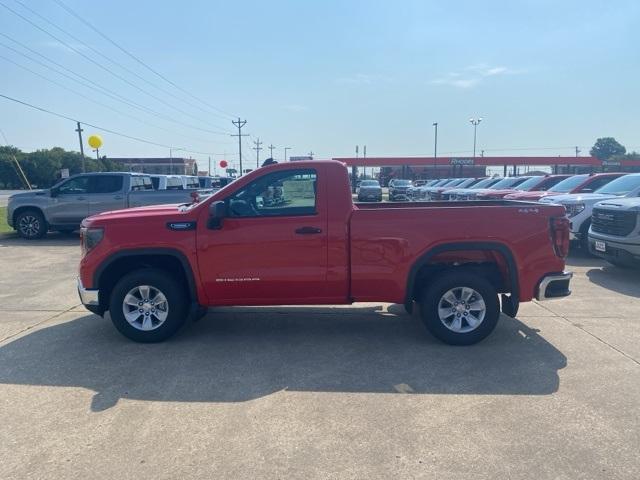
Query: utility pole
[[271, 147], [239, 123], [577, 151], [257, 148], [285, 152], [80, 130], [482, 153], [311, 154], [364, 156], [209, 169]]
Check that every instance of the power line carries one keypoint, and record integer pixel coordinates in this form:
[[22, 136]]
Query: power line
[[98, 64], [163, 77], [239, 123], [104, 129], [100, 89]]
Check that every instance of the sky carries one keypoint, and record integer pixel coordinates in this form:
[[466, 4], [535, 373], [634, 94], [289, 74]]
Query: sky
[[321, 76]]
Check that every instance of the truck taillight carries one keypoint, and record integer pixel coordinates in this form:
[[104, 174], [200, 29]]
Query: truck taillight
[[560, 236]]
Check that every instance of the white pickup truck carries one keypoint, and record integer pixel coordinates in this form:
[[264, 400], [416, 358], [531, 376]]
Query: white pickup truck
[[63, 207]]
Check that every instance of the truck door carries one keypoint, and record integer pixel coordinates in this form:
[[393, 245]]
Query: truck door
[[70, 205], [272, 246], [106, 193]]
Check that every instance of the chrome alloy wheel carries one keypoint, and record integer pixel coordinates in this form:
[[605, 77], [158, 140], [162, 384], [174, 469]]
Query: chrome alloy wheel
[[145, 307], [29, 225], [461, 309]]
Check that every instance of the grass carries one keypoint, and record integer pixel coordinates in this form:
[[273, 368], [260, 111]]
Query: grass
[[4, 227]]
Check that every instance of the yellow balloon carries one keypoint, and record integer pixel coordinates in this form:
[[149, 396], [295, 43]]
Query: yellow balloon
[[95, 141]]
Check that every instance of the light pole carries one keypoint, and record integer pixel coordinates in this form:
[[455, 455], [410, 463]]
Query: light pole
[[285, 152], [435, 146], [475, 122], [171, 158]]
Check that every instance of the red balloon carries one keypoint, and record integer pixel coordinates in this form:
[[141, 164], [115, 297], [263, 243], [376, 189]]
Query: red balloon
[[223, 164]]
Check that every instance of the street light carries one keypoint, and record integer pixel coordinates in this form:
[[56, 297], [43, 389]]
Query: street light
[[435, 147], [475, 122]]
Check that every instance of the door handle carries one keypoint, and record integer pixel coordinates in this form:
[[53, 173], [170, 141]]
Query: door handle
[[308, 230]]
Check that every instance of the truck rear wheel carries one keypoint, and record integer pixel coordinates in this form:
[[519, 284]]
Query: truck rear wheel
[[31, 224], [148, 306], [460, 308]]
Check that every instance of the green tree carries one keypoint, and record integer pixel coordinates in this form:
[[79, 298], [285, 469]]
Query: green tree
[[607, 147]]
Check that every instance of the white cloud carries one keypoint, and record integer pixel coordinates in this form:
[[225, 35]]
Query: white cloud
[[472, 75]]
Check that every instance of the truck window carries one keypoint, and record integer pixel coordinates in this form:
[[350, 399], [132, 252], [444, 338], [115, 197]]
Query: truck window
[[140, 183], [74, 186], [279, 194], [105, 184], [156, 182], [174, 183]]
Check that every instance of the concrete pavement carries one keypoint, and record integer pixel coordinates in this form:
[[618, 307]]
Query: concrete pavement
[[291, 392]]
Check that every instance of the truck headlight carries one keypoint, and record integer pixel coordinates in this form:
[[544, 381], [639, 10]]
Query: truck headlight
[[574, 209], [89, 238]]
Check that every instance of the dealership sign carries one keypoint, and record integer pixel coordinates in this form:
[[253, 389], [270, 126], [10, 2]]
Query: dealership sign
[[611, 163], [462, 161]]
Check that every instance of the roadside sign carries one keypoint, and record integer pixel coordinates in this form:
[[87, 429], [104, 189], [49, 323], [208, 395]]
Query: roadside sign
[[64, 173]]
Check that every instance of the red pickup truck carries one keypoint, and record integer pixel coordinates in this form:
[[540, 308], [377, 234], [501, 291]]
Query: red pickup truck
[[289, 234]]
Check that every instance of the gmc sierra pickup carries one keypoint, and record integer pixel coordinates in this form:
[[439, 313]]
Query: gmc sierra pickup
[[63, 206], [462, 262], [615, 231]]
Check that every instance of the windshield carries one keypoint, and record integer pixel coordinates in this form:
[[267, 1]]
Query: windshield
[[569, 184], [370, 183], [485, 183], [466, 183], [621, 186], [506, 183], [401, 183], [533, 182]]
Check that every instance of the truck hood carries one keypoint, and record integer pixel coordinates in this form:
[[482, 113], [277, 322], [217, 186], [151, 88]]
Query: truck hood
[[577, 198], [621, 204], [132, 213], [530, 195], [29, 194]]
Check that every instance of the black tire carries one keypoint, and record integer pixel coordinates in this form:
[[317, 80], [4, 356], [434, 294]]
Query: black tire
[[159, 280], [457, 279], [31, 225], [584, 237]]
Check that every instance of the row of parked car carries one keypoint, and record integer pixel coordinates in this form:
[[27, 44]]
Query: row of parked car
[[604, 208]]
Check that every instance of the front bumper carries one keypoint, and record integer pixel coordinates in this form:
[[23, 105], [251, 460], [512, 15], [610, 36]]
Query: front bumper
[[89, 298], [555, 285], [616, 250]]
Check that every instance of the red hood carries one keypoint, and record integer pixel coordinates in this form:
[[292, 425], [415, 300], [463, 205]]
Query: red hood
[[132, 213], [529, 195], [495, 193]]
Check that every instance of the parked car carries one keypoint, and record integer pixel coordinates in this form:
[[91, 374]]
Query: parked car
[[399, 189], [504, 183], [537, 183], [370, 190], [454, 182], [585, 183], [579, 206], [190, 182], [615, 231], [419, 193], [437, 194], [320, 248], [451, 194], [64, 206]]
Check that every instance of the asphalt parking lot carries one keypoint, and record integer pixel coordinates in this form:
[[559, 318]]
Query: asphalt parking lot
[[300, 392]]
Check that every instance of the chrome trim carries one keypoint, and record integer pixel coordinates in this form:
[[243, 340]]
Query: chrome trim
[[544, 283], [87, 296]]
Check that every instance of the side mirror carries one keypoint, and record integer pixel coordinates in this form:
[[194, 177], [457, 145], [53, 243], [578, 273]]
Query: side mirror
[[217, 211]]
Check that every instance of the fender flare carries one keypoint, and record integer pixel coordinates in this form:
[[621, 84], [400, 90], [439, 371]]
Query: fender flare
[[136, 252], [457, 247]]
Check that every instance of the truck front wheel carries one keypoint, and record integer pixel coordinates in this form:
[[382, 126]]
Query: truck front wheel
[[148, 306], [31, 224], [460, 308]]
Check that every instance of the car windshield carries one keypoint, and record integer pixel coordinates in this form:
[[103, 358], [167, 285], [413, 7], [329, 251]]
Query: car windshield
[[370, 183], [487, 182], [402, 183], [506, 183], [466, 183], [569, 184], [527, 185], [621, 186]]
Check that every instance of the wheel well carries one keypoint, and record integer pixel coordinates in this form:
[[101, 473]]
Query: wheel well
[[115, 270], [430, 271], [19, 210]]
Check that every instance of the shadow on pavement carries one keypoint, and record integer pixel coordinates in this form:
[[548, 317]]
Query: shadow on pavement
[[234, 356], [580, 258], [621, 280], [51, 239]]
